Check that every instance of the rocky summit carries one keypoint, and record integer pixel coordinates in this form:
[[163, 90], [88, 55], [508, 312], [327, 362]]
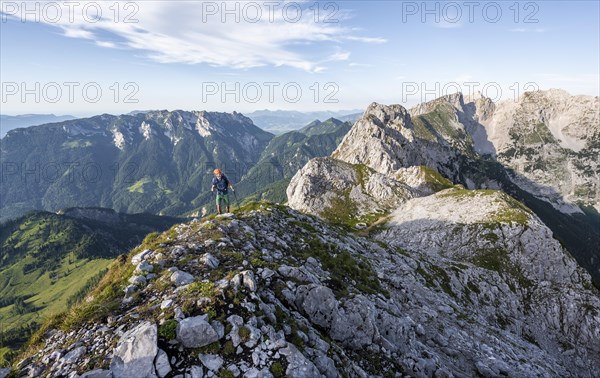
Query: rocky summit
[[272, 292]]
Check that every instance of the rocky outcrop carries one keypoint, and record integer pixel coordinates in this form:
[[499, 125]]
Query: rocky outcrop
[[385, 139], [338, 191], [195, 332], [494, 232]]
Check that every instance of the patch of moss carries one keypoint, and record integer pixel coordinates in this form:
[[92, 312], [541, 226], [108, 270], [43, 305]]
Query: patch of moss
[[503, 321], [537, 133], [423, 130], [529, 338], [443, 280], [202, 289], [296, 339], [277, 369], [305, 225], [226, 373], [228, 349], [341, 209], [262, 206], [429, 282], [511, 209], [466, 193], [491, 237], [213, 348], [377, 364], [474, 288], [168, 330], [259, 262], [362, 173], [497, 259], [244, 333]]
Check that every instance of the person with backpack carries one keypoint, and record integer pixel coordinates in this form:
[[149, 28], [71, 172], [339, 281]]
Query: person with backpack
[[221, 184]]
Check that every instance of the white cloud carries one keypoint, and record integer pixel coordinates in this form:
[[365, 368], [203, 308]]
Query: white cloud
[[366, 39], [77, 33], [340, 55], [194, 33], [524, 30], [106, 44]]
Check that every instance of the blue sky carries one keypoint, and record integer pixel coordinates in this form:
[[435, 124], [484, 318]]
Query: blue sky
[[183, 55]]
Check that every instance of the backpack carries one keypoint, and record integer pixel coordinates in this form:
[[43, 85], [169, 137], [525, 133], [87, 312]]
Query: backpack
[[222, 184]]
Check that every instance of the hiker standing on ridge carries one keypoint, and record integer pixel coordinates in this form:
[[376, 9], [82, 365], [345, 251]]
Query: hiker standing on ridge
[[221, 184]]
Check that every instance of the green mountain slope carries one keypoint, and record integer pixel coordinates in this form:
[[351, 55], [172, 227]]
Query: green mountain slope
[[48, 260], [317, 127]]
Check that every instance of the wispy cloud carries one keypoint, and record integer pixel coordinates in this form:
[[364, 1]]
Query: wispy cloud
[[526, 30], [376, 40], [106, 44], [340, 55], [185, 32]]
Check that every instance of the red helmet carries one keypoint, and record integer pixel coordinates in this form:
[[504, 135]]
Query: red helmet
[[217, 171]]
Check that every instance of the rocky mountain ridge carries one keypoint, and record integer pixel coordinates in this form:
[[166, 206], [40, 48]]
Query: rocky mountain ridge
[[270, 292]]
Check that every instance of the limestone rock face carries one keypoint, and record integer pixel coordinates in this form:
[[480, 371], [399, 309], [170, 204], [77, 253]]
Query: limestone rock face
[[492, 231], [550, 139], [542, 148]]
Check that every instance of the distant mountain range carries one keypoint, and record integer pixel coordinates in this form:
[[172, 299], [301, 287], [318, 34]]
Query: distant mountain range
[[8, 122], [155, 161], [158, 162], [281, 121]]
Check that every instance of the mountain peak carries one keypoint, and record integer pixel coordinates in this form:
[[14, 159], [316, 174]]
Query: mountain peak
[[385, 113]]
